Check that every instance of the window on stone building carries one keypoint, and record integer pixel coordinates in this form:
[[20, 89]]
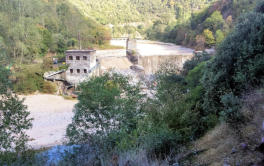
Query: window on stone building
[[71, 70], [78, 70], [70, 58], [85, 58], [85, 70], [77, 58]]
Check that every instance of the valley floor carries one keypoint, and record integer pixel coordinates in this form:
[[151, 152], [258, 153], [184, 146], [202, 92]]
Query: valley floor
[[51, 116]]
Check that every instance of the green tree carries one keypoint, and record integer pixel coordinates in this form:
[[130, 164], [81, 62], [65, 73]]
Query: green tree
[[108, 105], [238, 65], [209, 37], [219, 36], [215, 21], [14, 118]]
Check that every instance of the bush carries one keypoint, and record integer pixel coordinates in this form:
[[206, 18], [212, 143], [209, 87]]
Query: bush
[[191, 64], [215, 21], [28, 80], [108, 105], [209, 38], [232, 109], [160, 140], [14, 120], [260, 7], [219, 37], [178, 104], [48, 87]]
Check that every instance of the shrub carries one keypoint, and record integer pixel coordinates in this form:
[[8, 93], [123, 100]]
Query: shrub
[[219, 37], [209, 37], [260, 7], [47, 63], [108, 105], [191, 64], [232, 109], [28, 80], [214, 22], [14, 118], [178, 104], [194, 76], [48, 87]]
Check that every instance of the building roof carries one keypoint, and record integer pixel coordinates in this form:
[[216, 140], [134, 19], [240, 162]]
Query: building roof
[[80, 51]]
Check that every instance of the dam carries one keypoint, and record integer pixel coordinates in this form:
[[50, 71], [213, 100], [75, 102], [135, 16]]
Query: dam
[[136, 57], [152, 54]]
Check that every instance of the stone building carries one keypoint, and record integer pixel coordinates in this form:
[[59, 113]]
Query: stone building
[[82, 64]]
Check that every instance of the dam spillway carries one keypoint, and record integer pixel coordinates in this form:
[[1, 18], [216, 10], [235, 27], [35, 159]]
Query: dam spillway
[[151, 54]]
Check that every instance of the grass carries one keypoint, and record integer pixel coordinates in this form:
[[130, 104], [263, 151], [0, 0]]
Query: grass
[[28, 79]]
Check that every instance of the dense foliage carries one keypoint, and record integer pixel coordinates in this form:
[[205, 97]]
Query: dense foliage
[[206, 28], [108, 107], [30, 28], [131, 16], [237, 67], [14, 118]]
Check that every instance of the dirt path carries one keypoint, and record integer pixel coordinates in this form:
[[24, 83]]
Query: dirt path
[[51, 116]]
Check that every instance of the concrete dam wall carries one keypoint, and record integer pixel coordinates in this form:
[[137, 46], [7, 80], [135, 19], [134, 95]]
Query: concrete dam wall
[[152, 64], [151, 55]]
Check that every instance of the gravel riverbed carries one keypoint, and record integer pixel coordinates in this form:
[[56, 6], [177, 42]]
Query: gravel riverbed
[[51, 114]]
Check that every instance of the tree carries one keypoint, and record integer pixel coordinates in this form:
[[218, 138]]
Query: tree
[[209, 37], [238, 65], [107, 104], [200, 42], [214, 22], [14, 118], [219, 36]]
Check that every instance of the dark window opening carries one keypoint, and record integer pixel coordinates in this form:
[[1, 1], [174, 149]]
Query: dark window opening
[[78, 70], [70, 58], [71, 70], [77, 58], [85, 58], [85, 70]]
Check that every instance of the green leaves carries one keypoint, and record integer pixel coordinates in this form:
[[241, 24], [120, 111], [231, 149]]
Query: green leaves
[[14, 118], [237, 67], [107, 104], [31, 28]]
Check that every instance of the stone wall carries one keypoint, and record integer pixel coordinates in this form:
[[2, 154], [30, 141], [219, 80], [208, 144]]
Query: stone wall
[[80, 64]]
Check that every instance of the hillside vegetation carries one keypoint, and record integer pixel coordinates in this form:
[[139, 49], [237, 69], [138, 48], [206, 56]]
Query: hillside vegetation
[[34, 31], [206, 28], [210, 112], [32, 28], [129, 16]]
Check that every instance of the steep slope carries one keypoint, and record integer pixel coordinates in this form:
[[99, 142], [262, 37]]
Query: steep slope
[[30, 28], [206, 28], [225, 145]]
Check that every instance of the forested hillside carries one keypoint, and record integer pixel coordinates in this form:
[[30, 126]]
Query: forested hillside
[[129, 16], [30, 28], [206, 28]]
